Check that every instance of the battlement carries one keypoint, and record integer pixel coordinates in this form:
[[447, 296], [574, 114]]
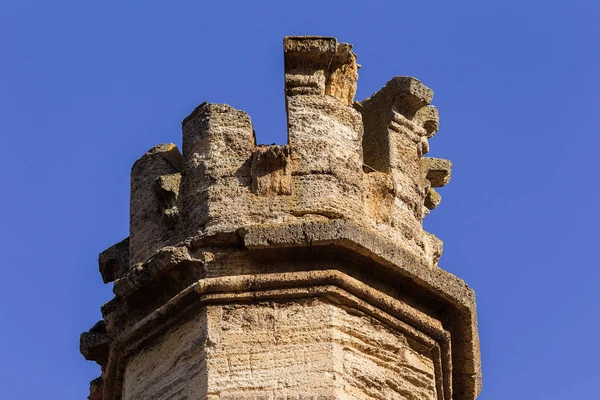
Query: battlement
[[344, 160], [336, 212]]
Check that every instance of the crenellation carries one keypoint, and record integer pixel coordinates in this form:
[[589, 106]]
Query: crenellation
[[290, 271], [217, 146], [148, 230], [306, 64], [219, 137], [113, 262], [226, 181], [398, 121], [324, 131], [343, 75]]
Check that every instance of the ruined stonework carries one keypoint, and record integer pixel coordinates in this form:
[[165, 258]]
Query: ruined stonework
[[299, 271]]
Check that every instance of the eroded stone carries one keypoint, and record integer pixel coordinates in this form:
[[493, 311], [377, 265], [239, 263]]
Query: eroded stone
[[271, 170], [437, 171], [298, 271]]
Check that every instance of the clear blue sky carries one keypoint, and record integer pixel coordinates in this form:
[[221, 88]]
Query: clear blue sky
[[87, 87]]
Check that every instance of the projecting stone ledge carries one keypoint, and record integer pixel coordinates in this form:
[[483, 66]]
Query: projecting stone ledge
[[341, 261]]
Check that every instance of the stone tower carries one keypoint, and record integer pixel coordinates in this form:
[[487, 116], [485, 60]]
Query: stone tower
[[299, 271]]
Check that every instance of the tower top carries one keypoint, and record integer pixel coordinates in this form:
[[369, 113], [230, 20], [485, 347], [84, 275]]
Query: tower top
[[340, 206]]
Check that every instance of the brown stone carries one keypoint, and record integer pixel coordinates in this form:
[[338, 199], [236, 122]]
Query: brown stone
[[114, 261], [271, 170], [94, 344], [437, 170], [433, 199], [149, 231], [96, 392], [428, 118], [298, 271]]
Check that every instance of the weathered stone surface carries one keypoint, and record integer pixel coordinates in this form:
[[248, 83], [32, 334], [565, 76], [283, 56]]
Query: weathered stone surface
[[433, 199], [174, 366], [437, 170], [271, 170], [307, 61], [148, 229], [298, 271], [428, 117], [283, 348], [96, 389], [343, 75], [217, 146], [294, 348], [114, 261], [397, 124], [167, 187], [94, 344]]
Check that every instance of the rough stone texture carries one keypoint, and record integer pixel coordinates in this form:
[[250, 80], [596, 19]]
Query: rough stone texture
[[281, 350], [432, 199], [148, 229], [94, 344], [437, 171], [271, 170], [171, 367], [114, 261], [298, 271], [398, 121], [96, 389]]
